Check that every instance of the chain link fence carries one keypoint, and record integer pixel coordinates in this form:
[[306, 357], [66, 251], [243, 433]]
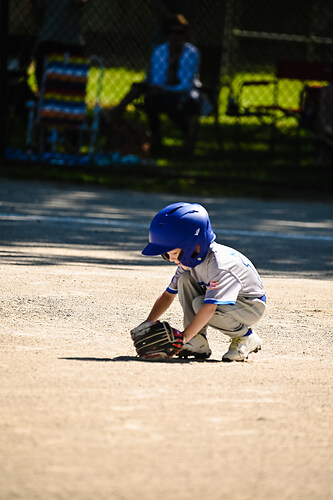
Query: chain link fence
[[271, 64], [280, 70]]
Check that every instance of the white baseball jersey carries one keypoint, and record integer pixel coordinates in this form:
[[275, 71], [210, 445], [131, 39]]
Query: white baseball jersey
[[224, 275]]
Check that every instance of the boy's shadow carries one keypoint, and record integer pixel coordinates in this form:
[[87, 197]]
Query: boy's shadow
[[142, 360]]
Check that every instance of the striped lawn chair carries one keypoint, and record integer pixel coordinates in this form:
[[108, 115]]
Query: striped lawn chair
[[62, 102]]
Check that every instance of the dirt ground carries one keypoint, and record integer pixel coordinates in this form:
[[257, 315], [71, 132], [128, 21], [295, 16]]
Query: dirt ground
[[82, 418]]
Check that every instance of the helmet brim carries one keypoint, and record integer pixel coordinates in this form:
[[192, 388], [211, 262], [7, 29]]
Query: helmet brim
[[153, 249]]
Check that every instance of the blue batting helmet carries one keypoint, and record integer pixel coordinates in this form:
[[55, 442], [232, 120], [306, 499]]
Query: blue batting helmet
[[181, 225]]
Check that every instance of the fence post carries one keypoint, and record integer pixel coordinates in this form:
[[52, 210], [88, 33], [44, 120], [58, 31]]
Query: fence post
[[3, 75], [227, 39]]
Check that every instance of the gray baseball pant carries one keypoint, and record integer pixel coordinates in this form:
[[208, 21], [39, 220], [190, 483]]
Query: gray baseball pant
[[232, 320]]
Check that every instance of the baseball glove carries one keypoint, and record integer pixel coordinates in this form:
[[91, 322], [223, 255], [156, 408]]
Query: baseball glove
[[156, 340]]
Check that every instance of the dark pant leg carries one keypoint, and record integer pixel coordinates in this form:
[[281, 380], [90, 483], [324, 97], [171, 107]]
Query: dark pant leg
[[154, 105], [180, 108]]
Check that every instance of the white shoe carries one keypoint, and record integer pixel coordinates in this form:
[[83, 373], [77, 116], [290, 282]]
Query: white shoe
[[197, 347], [241, 347]]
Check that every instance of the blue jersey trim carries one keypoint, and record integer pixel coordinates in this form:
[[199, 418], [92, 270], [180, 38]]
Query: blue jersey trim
[[171, 291], [219, 302]]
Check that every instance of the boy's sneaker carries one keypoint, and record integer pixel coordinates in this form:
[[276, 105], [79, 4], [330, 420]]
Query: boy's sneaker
[[197, 347], [241, 347]]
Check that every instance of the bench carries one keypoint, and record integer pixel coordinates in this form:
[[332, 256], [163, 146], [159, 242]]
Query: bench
[[313, 76]]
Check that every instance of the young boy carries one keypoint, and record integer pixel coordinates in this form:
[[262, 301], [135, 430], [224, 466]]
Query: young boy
[[216, 285]]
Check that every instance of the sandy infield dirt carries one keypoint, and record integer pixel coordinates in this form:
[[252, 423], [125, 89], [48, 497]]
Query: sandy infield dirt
[[82, 418]]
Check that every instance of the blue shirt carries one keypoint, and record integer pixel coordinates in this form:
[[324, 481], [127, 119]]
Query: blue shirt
[[187, 72]]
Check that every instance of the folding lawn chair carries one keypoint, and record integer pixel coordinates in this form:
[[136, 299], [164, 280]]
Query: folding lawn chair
[[313, 77], [61, 107]]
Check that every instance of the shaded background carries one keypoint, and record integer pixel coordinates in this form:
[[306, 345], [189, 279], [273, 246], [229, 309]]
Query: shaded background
[[240, 41]]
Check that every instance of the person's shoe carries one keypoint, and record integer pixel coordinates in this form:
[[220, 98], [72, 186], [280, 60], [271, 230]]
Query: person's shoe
[[197, 347], [241, 347]]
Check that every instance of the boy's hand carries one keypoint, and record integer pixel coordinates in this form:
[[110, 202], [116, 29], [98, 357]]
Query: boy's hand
[[143, 326], [157, 340]]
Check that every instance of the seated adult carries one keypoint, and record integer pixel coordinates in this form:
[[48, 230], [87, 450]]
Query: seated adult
[[172, 84]]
